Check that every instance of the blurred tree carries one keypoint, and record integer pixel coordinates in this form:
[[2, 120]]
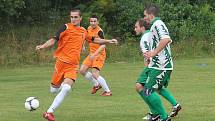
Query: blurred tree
[[185, 18], [10, 11]]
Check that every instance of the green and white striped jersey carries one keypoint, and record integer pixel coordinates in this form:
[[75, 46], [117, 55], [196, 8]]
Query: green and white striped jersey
[[163, 60], [145, 41]]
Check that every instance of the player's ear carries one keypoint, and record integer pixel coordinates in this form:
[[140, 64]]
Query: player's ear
[[151, 16]]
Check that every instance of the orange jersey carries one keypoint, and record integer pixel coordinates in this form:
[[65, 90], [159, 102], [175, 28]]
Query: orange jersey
[[70, 44], [94, 33]]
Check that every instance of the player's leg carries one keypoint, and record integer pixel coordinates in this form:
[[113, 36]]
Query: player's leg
[[88, 75], [57, 77], [153, 100], [153, 114], [154, 81], [176, 107], [168, 96], [102, 81], [97, 65], [65, 88], [139, 88], [164, 92], [69, 75]]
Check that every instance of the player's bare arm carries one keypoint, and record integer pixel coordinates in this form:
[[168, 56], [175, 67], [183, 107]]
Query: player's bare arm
[[48, 43], [104, 41], [160, 47], [83, 47]]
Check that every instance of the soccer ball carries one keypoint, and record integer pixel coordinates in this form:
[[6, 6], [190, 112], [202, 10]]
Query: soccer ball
[[31, 103]]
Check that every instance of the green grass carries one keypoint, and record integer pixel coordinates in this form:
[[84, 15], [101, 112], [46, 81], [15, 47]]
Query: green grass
[[192, 83]]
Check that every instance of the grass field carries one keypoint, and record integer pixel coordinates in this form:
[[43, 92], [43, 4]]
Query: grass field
[[192, 83]]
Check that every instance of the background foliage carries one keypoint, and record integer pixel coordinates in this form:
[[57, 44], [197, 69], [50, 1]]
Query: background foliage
[[26, 23]]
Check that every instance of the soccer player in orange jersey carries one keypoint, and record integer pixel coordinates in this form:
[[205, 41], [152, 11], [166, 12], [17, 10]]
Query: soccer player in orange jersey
[[70, 38], [95, 60]]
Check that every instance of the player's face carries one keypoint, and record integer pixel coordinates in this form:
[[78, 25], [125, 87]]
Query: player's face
[[147, 17], [94, 22], [75, 18], [138, 29]]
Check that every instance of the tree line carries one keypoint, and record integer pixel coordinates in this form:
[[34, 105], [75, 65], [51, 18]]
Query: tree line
[[185, 18], [26, 23]]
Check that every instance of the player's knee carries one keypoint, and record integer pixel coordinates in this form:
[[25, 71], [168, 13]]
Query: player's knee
[[139, 87], [82, 71]]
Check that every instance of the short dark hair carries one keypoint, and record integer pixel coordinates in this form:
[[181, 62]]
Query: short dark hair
[[94, 16], [143, 23], [152, 9], [76, 10]]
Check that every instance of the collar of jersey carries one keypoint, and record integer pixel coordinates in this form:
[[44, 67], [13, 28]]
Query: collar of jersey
[[146, 31], [75, 26], [95, 28], [155, 19]]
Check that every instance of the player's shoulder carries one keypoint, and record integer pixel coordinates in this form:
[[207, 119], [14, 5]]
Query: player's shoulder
[[147, 33], [89, 28], [145, 36], [68, 25], [159, 23], [83, 30], [99, 28]]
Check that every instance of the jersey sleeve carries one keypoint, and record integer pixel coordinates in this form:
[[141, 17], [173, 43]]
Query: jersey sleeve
[[162, 30], [100, 34], [144, 43], [57, 34]]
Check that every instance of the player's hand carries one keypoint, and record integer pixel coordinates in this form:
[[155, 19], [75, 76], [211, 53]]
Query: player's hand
[[149, 54], [38, 47], [113, 41]]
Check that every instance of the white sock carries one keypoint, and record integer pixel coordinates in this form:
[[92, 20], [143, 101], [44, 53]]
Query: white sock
[[89, 77], [59, 98], [103, 83]]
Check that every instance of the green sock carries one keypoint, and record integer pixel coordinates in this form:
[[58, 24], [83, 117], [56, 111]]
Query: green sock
[[153, 111], [168, 96], [156, 104]]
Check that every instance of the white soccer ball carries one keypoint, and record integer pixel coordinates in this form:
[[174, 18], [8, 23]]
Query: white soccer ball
[[31, 103]]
